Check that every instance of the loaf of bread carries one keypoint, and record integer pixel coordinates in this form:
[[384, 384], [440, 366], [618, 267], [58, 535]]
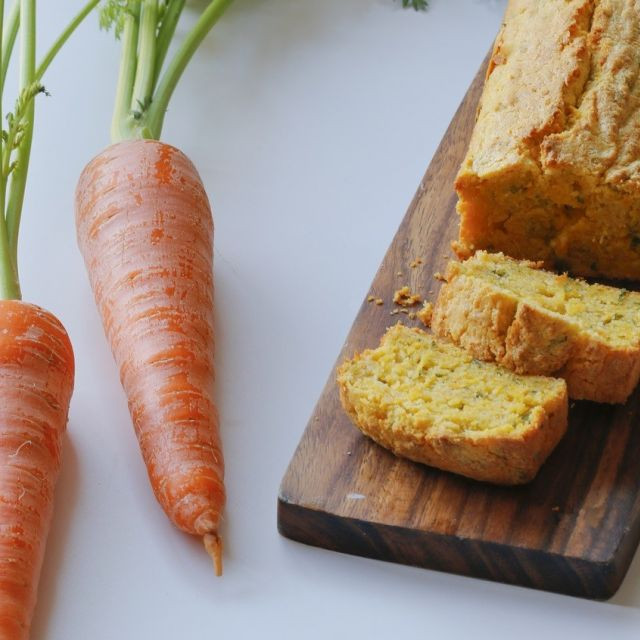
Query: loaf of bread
[[432, 402], [537, 322], [552, 172]]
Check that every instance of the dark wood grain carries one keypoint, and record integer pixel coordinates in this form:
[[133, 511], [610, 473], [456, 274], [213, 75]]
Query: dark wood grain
[[573, 530]]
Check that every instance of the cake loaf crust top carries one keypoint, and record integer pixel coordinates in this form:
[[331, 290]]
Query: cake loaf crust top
[[562, 93]]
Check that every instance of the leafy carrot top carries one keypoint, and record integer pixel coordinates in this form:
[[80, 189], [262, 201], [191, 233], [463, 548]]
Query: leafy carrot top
[[17, 134], [146, 28], [145, 84]]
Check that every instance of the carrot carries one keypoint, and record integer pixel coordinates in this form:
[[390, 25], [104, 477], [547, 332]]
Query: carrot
[[36, 358], [36, 381], [146, 233]]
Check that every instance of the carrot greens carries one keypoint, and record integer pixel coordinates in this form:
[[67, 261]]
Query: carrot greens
[[418, 5], [17, 134], [145, 84]]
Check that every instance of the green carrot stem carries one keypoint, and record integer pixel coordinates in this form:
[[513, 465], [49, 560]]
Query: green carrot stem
[[2, 79], [176, 67], [64, 36], [166, 33], [27, 78], [145, 69], [120, 125], [6, 266], [9, 287], [9, 33]]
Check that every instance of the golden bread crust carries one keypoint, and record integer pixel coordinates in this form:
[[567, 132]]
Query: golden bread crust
[[504, 461]]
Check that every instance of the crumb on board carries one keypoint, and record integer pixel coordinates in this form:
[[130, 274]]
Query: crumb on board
[[405, 298], [412, 315], [394, 312], [399, 274], [370, 298], [438, 276], [414, 263], [424, 315], [379, 301]]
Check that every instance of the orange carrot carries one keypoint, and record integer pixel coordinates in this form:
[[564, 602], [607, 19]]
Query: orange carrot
[[146, 234], [36, 358], [36, 381]]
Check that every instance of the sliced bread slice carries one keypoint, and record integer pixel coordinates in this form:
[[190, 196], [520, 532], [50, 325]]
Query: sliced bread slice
[[538, 322], [427, 400]]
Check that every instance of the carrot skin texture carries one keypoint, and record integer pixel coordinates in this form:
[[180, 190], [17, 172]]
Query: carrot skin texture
[[145, 231], [36, 382]]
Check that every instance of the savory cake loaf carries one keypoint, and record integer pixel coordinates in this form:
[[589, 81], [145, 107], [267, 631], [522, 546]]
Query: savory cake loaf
[[552, 171], [537, 322], [432, 402]]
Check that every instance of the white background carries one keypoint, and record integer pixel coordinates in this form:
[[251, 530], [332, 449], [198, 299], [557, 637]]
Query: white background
[[311, 122]]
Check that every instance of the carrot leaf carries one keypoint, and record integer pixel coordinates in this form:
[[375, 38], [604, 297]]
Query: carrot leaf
[[417, 5], [113, 14], [14, 134]]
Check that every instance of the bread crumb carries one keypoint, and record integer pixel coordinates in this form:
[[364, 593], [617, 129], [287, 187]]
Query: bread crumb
[[379, 301], [405, 298], [414, 263], [370, 298], [399, 274], [498, 59], [412, 315], [438, 276], [394, 312], [424, 315]]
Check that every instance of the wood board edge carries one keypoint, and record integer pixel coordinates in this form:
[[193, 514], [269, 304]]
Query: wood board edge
[[474, 558]]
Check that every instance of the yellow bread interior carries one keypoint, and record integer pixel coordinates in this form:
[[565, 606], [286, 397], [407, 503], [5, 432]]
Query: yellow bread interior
[[611, 314], [424, 386]]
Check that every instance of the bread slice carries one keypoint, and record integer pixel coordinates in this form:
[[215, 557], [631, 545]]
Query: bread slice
[[432, 402], [537, 322]]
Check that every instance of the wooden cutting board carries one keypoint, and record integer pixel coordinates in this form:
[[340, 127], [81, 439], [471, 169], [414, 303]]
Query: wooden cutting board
[[573, 530]]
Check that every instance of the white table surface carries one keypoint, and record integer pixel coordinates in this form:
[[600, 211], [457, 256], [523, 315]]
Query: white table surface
[[312, 123]]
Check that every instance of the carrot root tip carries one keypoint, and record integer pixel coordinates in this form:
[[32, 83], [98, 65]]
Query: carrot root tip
[[213, 545]]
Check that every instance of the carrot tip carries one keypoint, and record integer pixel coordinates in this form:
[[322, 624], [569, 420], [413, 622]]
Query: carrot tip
[[213, 545]]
